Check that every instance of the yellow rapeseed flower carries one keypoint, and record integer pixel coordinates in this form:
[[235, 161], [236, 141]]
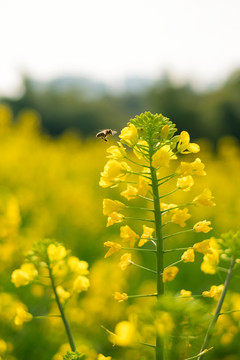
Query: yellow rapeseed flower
[[170, 273], [185, 293], [3, 347], [141, 149], [130, 193], [194, 168], [110, 206], [211, 259], [125, 261], [129, 135], [63, 294], [56, 252], [146, 235], [114, 218], [20, 278], [180, 217], [164, 323], [203, 247], [202, 226], [128, 235], [163, 156], [116, 152], [113, 172], [22, 316], [204, 199], [124, 334], [184, 145], [142, 187], [113, 248], [81, 283], [120, 297], [188, 256], [214, 291], [77, 266], [102, 357], [185, 183]]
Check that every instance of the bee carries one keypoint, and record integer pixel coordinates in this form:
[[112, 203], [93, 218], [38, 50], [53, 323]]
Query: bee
[[103, 134]]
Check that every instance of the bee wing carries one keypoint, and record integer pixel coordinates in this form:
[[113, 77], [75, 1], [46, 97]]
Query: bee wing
[[114, 132]]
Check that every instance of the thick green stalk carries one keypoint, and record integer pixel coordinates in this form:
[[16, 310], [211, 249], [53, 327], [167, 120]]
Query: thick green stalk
[[218, 309], [160, 251], [60, 307]]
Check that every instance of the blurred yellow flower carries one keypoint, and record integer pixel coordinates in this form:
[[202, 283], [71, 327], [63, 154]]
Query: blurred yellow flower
[[124, 334], [169, 273], [211, 259], [128, 235], [22, 316], [81, 283], [180, 217], [114, 218], [203, 247], [214, 291], [120, 297], [185, 293], [188, 256], [56, 252], [146, 235], [164, 324], [125, 261], [129, 135], [77, 266], [63, 294], [185, 183], [113, 248], [20, 278], [204, 199], [110, 206], [130, 193], [143, 187], [3, 347], [102, 357], [202, 226]]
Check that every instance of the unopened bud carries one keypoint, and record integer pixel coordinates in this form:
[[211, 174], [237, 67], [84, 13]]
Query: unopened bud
[[164, 132]]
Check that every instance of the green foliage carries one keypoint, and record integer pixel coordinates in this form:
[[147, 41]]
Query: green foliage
[[230, 244], [74, 356]]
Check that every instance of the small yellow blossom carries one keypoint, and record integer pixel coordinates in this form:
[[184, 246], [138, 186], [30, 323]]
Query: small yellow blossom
[[110, 206], [194, 168], [22, 316], [20, 278], [169, 273], [113, 172], [78, 266], [125, 261], [3, 347], [128, 235], [203, 247], [146, 235], [120, 297], [185, 293], [164, 323], [214, 291], [130, 193], [114, 218], [163, 156], [185, 183], [142, 188], [81, 283], [124, 334], [204, 199], [116, 152], [113, 248], [164, 132], [180, 217], [188, 256], [56, 252], [102, 357], [141, 149], [170, 207], [63, 294], [30, 269], [184, 145], [202, 226], [129, 135], [211, 259]]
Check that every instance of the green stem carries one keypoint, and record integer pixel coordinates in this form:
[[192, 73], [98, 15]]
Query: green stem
[[177, 233], [137, 249], [142, 267], [60, 307], [144, 197], [138, 208], [171, 192], [177, 249], [133, 218], [218, 309], [159, 350], [141, 296]]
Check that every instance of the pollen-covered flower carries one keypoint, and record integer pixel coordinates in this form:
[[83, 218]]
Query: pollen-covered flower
[[185, 293], [114, 218], [22, 316], [169, 273], [124, 334], [204, 199], [146, 235], [214, 291], [129, 135], [188, 256], [120, 297], [116, 152], [56, 252], [163, 156], [113, 248], [202, 226], [130, 193], [194, 168], [110, 206], [125, 261], [203, 247], [81, 283], [128, 235], [181, 216], [63, 294], [185, 183], [184, 145]]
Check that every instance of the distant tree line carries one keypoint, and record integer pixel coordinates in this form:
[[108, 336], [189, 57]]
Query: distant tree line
[[212, 113]]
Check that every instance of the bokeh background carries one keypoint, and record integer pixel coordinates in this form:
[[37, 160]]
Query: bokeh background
[[68, 70]]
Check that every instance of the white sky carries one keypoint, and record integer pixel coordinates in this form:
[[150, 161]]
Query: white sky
[[111, 39]]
